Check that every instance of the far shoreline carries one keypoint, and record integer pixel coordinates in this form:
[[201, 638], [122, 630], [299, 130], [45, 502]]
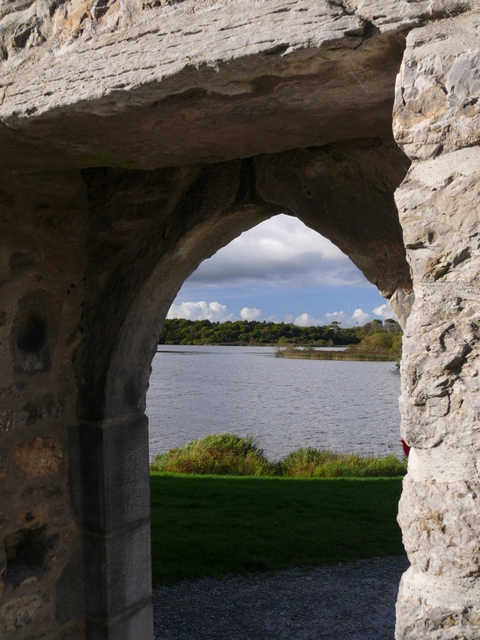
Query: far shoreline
[[304, 352]]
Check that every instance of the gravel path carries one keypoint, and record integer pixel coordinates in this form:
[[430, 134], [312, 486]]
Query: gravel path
[[342, 602]]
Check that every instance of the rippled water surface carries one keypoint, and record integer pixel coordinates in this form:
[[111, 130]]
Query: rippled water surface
[[345, 406]]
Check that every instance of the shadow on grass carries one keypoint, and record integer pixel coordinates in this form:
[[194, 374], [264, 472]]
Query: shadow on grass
[[216, 525]]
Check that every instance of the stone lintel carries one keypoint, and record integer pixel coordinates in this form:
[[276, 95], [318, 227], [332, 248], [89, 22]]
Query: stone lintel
[[181, 87]]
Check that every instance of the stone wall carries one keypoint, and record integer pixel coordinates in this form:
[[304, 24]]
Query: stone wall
[[437, 122], [41, 292], [138, 138]]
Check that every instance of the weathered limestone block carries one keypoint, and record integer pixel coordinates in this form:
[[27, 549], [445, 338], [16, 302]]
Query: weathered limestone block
[[440, 400], [437, 96], [162, 81], [440, 523], [441, 197], [439, 211], [173, 41], [437, 608], [436, 122], [28, 24]]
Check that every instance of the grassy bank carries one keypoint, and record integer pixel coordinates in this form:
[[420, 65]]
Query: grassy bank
[[229, 454], [214, 526]]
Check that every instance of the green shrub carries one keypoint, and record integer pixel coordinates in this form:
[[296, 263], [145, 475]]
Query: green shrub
[[218, 454], [377, 341]]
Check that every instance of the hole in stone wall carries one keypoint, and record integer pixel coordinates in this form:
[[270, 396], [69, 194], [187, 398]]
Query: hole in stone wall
[[26, 551], [32, 332]]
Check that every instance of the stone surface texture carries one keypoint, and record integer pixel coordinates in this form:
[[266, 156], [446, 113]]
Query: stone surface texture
[[161, 74], [138, 137], [39, 457], [436, 122], [40, 260], [437, 108]]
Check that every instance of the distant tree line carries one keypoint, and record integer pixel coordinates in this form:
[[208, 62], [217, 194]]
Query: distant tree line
[[252, 332]]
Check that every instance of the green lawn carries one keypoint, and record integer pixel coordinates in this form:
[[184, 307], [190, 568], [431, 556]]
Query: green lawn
[[214, 526]]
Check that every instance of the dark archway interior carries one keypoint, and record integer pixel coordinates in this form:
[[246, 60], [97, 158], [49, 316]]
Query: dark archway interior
[[148, 231], [97, 269]]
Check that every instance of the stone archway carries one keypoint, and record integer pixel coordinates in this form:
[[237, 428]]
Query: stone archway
[[173, 236], [117, 181]]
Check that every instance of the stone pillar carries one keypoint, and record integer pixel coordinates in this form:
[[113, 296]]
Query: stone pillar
[[111, 497], [146, 232], [74, 485], [437, 123]]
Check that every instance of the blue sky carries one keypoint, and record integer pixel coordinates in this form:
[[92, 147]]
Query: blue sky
[[282, 271]]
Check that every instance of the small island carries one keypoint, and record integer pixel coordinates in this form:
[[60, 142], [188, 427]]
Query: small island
[[351, 353], [376, 347]]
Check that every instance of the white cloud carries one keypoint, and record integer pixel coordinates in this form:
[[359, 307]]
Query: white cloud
[[384, 312], [250, 314], [306, 320], [281, 251], [358, 317], [218, 312], [213, 311]]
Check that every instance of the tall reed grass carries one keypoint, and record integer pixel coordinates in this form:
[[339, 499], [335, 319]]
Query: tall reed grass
[[224, 454], [231, 455], [312, 463]]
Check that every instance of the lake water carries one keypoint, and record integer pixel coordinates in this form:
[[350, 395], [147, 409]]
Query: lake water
[[344, 406]]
